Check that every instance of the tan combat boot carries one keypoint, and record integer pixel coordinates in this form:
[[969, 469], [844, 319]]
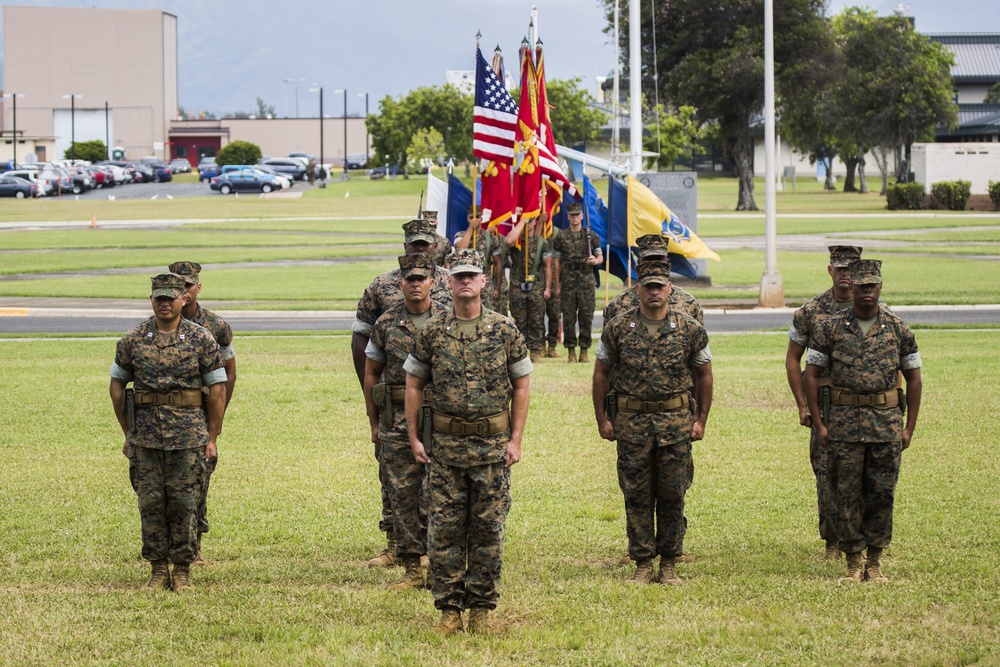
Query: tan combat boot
[[479, 622], [536, 355], [413, 577], [643, 571], [572, 356], [160, 578], [684, 558], [583, 357], [388, 556], [668, 575], [832, 550], [873, 568], [181, 579], [855, 563], [553, 352], [451, 622]]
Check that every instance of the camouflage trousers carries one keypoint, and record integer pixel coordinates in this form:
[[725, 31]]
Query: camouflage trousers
[[405, 481], [465, 533], [385, 522], [653, 480], [863, 476], [824, 492], [528, 311], [578, 303], [553, 315], [169, 484], [203, 504], [502, 304]]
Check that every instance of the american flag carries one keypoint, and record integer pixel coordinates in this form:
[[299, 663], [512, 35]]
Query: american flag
[[494, 116]]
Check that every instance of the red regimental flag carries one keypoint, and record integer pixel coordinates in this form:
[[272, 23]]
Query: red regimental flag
[[527, 174]]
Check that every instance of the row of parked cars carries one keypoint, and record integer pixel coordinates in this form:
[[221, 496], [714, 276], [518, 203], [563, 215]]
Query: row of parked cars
[[270, 173], [76, 177]]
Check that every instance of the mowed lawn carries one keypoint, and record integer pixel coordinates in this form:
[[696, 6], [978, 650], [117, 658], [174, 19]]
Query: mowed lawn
[[295, 501]]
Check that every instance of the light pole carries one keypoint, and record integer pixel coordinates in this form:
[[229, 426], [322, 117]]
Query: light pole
[[772, 288], [13, 97], [72, 124], [107, 130], [318, 88], [344, 91], [366, 127], [296, 82]]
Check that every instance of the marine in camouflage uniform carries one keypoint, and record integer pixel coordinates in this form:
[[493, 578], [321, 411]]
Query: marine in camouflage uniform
[[477, 365], [805, 322], [653, 351], [223, 335], [168, 360], [578, 251], [528, 295], [385, 386], [378, 297], [864, 349], [553, 302], [494, 252]]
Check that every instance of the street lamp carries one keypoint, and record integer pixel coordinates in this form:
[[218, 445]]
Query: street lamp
[[366, 126], [72, 124], [344, 91], [296, 82], [13, 97], [318, 88]]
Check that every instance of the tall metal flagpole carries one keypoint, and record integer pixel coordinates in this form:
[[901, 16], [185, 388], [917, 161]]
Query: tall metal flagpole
[[475, 168], [772, 289], [634, 88]]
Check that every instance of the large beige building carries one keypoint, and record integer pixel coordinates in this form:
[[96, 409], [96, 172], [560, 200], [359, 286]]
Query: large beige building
[[116, 96]]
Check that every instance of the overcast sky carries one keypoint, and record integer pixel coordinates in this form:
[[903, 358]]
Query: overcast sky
[[231, 51]]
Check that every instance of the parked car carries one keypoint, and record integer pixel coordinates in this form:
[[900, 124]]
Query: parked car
[[236, 181], [285, 180], [59, 178], [82, 180], [161, 172], [207, 169], [45, 186], [12, 186], [142, 172], [286, 165], [180, 165], [357, 161]]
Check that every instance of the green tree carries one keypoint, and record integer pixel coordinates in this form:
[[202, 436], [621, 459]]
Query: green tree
[[91, 151], [993, 96], [710, 55], [676, 134], [238, 152], [427, 146], [575, 119], [897, 86], [445, 109], [265, 110]]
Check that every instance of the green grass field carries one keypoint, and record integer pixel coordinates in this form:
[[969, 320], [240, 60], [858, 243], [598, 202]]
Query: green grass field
[[294, 518]]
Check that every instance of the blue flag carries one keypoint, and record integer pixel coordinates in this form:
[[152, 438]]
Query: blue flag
[[597, 218], [459, 201]]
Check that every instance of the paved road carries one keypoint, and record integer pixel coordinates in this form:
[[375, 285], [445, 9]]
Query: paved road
[[21, 319]]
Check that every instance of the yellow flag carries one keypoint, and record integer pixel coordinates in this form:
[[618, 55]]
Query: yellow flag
[[648, 215]]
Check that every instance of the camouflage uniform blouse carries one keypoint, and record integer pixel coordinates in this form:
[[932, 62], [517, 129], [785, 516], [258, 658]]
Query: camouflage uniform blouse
[[495, 253], [517, 261], [574, 248], [864, 365], [189, 358], [471, 379], [392, 340], [679, 299], [383, 293], [653, 369], [219, 329]]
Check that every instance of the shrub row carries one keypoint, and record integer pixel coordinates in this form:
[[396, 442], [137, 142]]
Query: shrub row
[[905, 196], [995, 194], [952, 195]]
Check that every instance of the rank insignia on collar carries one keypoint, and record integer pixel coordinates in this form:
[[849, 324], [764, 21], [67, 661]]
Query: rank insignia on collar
[[673, 325], [149, 335], [631, 325], [181, 336]]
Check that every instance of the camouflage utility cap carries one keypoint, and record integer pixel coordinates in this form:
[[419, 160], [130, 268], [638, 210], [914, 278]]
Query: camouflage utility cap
[[416, 264], [429, 215], [466, 260], [651, 245], [574, 208], [866, 272], [476, 212], [653, 273], [420, 230], [167, 284], [841, 256], [187, 270]]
